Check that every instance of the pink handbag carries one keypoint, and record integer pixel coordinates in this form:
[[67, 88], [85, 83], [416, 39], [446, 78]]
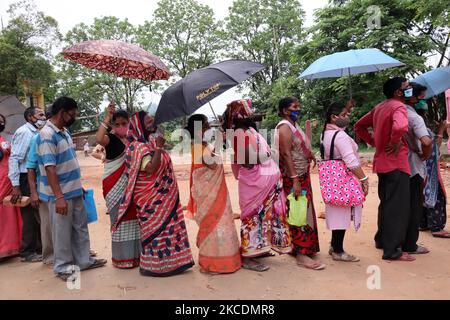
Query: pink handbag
[[338, 185]]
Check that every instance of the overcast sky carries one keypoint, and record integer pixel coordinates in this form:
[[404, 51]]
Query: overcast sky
[[70, 13]]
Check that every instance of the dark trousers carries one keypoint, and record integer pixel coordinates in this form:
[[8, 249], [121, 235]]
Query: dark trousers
[[337, 240], [393, 212], [412, 233], [31, 232]]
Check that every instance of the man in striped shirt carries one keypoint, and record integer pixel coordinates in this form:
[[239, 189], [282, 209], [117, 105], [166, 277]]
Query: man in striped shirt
[[60, 189]]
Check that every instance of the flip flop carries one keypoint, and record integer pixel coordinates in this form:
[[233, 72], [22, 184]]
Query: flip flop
[[97, 264], [441, 234], [319, 267], [405, 257], [259, 267], [64, 276], [32, 258], [267, 254], [344, 257], [420, 250]]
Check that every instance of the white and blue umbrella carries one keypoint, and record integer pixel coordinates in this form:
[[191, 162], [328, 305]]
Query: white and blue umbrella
[[348, 63], [436, 81]]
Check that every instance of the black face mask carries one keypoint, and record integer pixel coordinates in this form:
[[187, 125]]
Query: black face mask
[[2, 127]]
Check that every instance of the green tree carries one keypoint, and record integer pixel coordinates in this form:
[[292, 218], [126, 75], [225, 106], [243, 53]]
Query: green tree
[[184, 33], [266, 31], [25, 46], [409, 31]]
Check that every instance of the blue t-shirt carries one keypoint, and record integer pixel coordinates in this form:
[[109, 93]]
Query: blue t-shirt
[[32, 159]]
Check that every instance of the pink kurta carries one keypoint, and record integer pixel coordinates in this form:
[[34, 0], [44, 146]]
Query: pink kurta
[[10, 218], [345, 148]]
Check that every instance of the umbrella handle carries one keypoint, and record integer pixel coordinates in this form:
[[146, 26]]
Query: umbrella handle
[[350, 85], [215, 116]]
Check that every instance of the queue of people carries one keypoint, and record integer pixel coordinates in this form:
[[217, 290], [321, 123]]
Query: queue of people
[[148, 227]]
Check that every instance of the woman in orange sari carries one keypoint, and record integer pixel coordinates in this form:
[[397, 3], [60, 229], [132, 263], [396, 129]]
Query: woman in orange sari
[[10, 217], [210, 205], [152, 187]]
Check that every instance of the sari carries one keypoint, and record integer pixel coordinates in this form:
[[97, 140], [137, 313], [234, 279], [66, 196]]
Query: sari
[[164, 239], [10, 217], [262, 202], [210, 206], [125, 241], [305, 239], [435, 197]]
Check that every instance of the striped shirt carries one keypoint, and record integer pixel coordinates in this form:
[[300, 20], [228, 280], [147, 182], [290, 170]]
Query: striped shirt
[[55, 148], [19, 150]]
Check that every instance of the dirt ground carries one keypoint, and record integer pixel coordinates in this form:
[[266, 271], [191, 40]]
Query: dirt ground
[[426, 278]]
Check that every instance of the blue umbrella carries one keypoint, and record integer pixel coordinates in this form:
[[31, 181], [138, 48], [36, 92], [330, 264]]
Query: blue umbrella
[[436, 81], [348, 63]]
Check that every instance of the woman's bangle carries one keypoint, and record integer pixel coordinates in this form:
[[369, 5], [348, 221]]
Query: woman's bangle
[[293, 177], [104, 125], [364, 179], [60, 197]]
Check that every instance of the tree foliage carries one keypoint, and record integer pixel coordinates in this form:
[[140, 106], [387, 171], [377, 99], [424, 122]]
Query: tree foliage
[[269, 35], [25, 46]]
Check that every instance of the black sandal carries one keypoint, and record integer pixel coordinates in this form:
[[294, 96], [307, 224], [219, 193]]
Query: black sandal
[[97, 264]]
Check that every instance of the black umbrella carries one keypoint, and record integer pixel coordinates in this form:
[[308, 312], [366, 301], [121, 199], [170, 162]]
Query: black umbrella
[[201, 86]]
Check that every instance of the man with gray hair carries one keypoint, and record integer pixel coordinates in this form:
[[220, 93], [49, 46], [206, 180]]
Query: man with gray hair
[[31, 243]]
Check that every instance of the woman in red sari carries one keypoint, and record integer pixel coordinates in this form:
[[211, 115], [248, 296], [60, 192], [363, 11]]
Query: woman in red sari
[[10, 218], [152, 187], [210, 205], [125, 244]]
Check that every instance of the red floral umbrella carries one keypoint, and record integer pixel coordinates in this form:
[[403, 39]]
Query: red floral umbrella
[[118, 57]]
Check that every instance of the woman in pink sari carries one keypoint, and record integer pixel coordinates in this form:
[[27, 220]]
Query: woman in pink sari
[[210, 205], [152, 187], [261, 197], [10, 218]]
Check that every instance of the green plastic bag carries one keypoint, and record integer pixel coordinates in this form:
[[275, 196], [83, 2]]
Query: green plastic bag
[[297, 210]]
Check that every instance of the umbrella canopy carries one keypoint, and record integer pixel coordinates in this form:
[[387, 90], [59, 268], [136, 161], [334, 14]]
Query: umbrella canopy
[[348, 63], [118, 57], [436, 81], [12, 109], [201, 86]]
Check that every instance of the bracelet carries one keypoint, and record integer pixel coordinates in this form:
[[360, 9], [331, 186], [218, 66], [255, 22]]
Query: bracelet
[[293, 177], [104, 125], [439, 135], [60, 197], [158, 148], [364, 179]]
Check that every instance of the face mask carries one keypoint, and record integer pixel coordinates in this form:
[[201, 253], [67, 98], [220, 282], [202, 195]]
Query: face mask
[[295, 115], [421, 105], [408, 93], [2, 127], [121, 131], [342, 123], [40, 124]]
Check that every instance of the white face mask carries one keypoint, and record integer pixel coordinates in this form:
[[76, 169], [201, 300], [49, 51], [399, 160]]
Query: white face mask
[[40, 124]]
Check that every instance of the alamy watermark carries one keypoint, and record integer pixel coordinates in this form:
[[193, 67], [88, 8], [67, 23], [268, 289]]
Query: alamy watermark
[[374, 20], [374, 280]]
